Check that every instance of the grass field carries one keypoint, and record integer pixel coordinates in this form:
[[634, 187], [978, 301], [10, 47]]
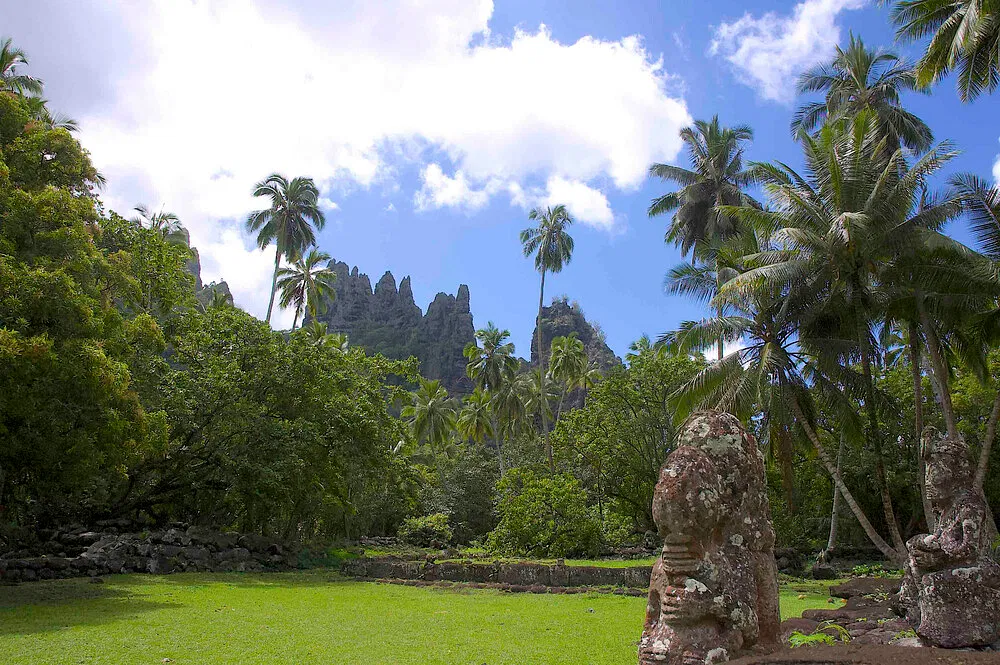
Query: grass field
[[229, 619]]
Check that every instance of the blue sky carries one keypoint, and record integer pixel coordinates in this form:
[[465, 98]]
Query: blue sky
[[433, 126]]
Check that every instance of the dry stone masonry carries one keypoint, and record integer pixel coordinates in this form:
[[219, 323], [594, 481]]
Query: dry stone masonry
[[714, 591]]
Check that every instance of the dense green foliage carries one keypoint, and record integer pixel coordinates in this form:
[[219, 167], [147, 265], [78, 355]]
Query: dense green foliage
[[119, 396]]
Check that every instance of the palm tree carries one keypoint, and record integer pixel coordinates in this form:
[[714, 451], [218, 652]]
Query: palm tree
[[39, 110], [10, 59], [316, 333], [475, 420], [768, 375], [981, 201], [965, 35], [841, 230], [288, 222], [432, 418], [166, 224], [860, 79], [567, 366], [717, 179], [491, 365], [552, 246], [307, 285]]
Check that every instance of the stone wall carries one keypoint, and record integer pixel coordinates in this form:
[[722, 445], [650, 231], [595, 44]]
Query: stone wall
[[513, 575], [172, 550]]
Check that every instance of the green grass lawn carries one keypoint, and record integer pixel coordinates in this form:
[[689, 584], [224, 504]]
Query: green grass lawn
[[313, 617]]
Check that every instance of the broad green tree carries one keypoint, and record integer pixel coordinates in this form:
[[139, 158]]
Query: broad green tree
[[859, 79], [290, 221], [307, 285], [964, 36], [551, 245]]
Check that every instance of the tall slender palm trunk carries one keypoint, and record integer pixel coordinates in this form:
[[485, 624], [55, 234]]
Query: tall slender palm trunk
[[939, 371], [831, 542], [884, 547], [918, 423], [274, 280], [991, 433], [541, 378], [875, 438]]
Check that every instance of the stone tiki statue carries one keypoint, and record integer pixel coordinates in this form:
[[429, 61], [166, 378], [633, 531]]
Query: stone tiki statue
[[951, 590], [714, 589]]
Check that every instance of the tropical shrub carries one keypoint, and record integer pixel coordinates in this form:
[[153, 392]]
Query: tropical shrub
[[427, 531]]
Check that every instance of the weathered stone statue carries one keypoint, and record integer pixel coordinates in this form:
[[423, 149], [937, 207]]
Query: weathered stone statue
[[714, 589], [951, 590]]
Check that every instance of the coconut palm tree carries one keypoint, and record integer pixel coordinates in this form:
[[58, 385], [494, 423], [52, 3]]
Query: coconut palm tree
[[567, 366], [475, 420], [316, 333], [552, 247], [307, 285], [770, 375], [432, 417], [717, 178], [492, 364], [840, 230], [965, 36], [860, 79], [39, 110], [10, 80], [166, 223], [290, 222]]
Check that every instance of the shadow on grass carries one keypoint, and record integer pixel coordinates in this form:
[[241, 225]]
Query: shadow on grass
[[282, 580], [41, 607]]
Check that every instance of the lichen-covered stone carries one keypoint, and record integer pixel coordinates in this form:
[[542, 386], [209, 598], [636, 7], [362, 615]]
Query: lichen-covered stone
[[951, 590], [713, 591]]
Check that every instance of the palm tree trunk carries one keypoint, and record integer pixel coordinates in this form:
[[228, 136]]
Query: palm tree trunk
[[496, 443], [835, 514], [298, 310], [869, 530], [939, 371], [875, 437], [991, 432], [918, 422], [718, 310], [274, 281], [541, 381], [787, 469]]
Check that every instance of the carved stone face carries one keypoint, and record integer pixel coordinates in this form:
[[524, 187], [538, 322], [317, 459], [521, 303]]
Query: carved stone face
[[941, 480]]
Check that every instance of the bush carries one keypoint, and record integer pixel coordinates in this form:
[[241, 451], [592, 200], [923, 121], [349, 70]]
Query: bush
[[427, 531], [544, 516]]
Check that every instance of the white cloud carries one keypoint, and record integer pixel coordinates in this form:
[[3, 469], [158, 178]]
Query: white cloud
[[340, 92], [585, 204], [390, 208], [769, 52], [996, 171], [328, 204], [442, 191]]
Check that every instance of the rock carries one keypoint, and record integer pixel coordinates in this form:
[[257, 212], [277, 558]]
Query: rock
[[713, 591], [389, 322], [823, 572], [866, 586], [562, 318], [96, 580], [951, 589], [800, 625]]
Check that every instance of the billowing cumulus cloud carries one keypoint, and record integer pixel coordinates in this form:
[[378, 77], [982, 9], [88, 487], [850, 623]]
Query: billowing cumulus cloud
[[996, 170], [770, 51], [200, 100]]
